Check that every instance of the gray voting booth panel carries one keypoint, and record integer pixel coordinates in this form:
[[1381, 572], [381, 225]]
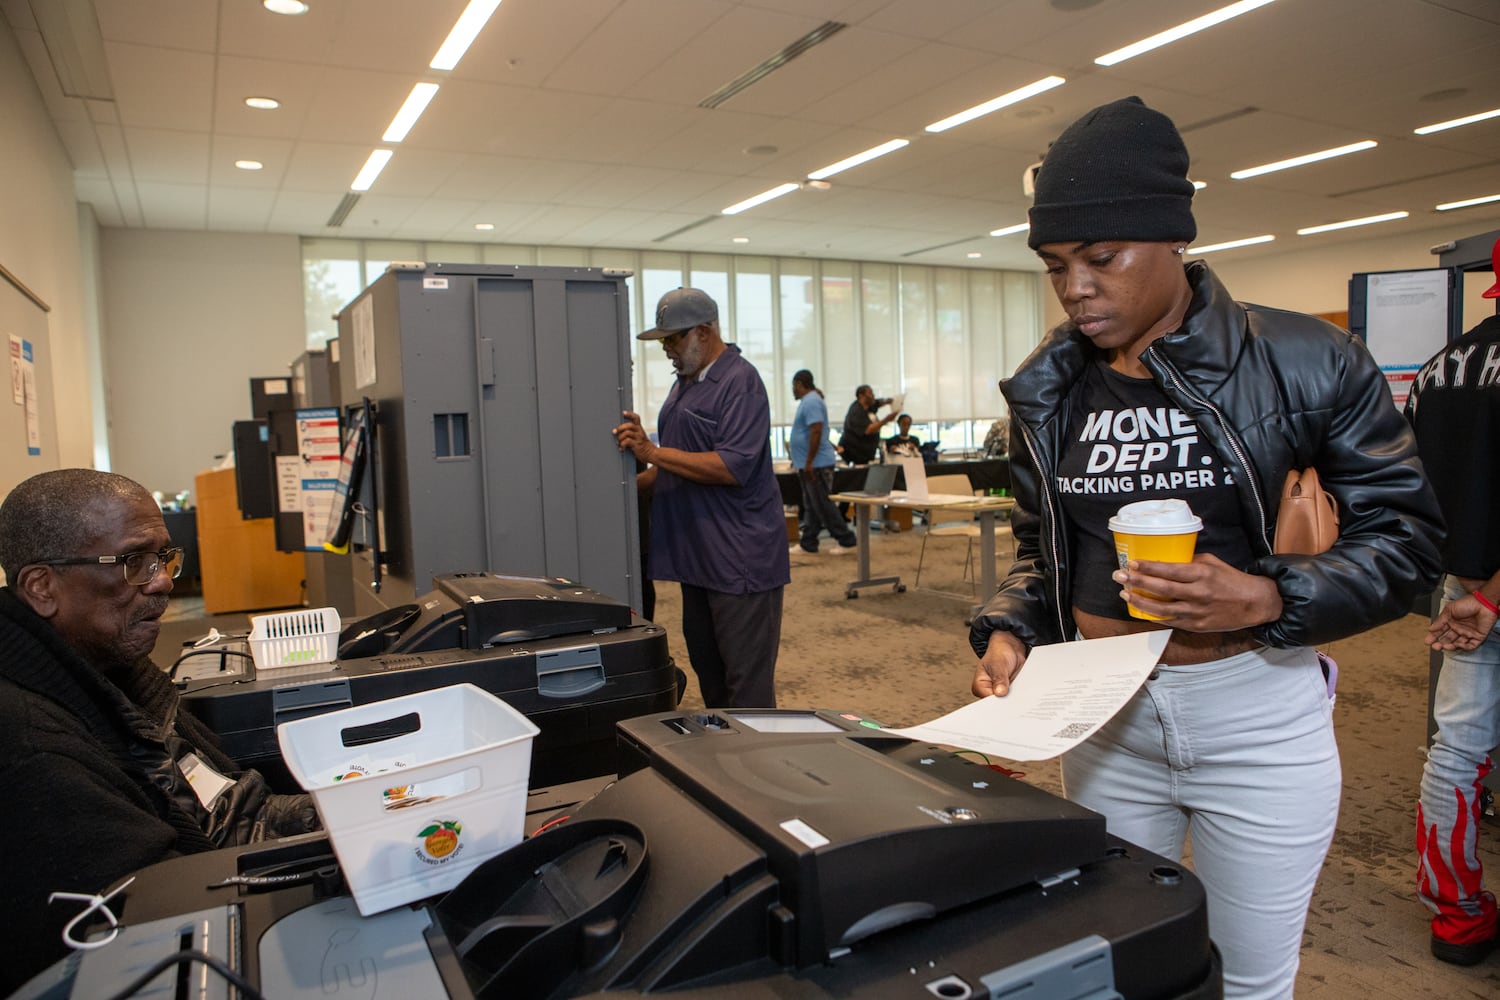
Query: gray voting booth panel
[[496, 388]]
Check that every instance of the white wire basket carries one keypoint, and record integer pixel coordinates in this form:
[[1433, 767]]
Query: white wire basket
[[294, 638]]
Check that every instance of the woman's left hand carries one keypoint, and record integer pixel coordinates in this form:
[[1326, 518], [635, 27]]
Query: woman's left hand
[[1205, 595]]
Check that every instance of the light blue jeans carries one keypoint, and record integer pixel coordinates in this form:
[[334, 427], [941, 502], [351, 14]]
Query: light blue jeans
[[1239, 755], [1466, 707]]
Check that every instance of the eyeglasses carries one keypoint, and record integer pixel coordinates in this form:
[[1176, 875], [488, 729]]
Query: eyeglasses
[[140, 567], [671, 341]]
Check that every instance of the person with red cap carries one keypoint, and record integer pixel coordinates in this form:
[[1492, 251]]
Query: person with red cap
[[1454, 408]]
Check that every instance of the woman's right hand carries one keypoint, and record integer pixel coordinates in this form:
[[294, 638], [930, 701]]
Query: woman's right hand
[[1003, 658]]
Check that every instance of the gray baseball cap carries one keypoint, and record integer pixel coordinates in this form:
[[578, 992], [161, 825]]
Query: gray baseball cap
[[681, 309]]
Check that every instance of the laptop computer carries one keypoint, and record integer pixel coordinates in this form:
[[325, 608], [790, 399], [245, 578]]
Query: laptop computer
[[879, 479]]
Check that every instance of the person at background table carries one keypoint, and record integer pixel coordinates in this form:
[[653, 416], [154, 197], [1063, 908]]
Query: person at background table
[[103, 772], [1159, 377], [1454, 408], [813, 457], [717, 524], [861, 438], [902, 444]]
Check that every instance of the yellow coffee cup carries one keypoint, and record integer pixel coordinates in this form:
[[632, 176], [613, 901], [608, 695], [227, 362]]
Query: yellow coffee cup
[[1155, 531]]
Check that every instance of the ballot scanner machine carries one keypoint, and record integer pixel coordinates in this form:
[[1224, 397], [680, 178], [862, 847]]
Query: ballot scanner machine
[[739, 854], [572, 660]]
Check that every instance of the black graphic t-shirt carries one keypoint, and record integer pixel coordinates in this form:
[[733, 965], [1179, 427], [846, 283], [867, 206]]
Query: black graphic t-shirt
[[1127, 442]]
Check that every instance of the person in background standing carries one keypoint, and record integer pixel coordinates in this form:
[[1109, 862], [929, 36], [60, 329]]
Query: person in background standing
[[861, 437], [717, 525], [813, 458], [1454, 408]]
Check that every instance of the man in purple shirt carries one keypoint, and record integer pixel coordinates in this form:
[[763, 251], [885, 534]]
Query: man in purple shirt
[[718, 527]]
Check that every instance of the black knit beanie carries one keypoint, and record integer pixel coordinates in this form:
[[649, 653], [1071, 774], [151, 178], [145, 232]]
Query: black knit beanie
[[1117, 173]]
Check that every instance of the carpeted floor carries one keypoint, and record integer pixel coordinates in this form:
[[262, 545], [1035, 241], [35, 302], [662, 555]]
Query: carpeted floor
[[904, 658]]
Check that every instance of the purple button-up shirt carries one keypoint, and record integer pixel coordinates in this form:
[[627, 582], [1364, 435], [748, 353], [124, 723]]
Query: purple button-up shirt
[[726, 538]]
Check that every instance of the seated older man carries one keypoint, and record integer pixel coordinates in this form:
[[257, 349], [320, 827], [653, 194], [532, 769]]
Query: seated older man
[[102, 774]]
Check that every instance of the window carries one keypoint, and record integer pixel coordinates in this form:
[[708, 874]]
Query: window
[[942, 336]]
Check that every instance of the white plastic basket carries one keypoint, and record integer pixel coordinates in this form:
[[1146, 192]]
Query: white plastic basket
[[294, 638], [411, 814]]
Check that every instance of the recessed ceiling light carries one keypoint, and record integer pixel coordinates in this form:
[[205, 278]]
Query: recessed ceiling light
[[742, 239], [1251, 241], [1006, 231], [262, 103], [1297, 161], [249, 164], [1456, 122], [484, 227], [975, 254], [874, 152], [760, 199], [1368, 220], [1468, 203], [371, 170], [467, 28], [995, 104], [284, 6], [1171, 35], [411, 109]]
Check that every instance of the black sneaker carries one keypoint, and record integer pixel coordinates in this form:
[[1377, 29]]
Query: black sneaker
[[1463, 954]]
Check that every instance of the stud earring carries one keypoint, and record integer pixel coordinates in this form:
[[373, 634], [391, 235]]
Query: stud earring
[[1179, 251]]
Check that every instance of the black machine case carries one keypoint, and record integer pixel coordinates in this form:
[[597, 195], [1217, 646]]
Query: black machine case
[[572, 660], [725, 862]]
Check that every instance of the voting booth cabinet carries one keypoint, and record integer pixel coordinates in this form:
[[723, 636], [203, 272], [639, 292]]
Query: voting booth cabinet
[[487, 393]]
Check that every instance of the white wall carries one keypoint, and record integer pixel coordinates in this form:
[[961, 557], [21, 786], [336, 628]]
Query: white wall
[[39, 244], [189, 317]]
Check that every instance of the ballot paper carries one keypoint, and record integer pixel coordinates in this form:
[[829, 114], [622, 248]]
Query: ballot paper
[[1063, 694]]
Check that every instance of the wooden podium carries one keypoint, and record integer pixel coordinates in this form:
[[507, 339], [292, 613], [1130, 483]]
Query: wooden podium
[[241, 568]]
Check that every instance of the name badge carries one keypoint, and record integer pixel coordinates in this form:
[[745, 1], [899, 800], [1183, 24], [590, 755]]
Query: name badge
[[205, 782]]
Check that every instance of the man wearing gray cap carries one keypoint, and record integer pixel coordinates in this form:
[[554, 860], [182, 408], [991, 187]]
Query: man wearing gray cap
[[717, 522]]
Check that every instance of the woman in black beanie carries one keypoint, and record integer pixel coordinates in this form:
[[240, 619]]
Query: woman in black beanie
[[1158, 386]]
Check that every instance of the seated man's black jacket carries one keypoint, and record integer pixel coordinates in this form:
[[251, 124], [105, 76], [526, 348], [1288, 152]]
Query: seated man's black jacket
[[92, 787]]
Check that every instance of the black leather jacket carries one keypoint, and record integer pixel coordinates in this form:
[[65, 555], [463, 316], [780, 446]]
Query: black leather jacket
[[1272, 391]]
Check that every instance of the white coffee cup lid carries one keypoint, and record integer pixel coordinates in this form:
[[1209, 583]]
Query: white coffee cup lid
[[1156, 517]]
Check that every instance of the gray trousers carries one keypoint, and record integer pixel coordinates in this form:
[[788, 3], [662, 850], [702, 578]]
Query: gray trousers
[[732, 642]]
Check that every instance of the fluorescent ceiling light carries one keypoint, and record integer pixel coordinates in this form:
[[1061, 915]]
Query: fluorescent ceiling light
[[974, 254], [416, 103], [249, 164], [1171, 35], [1004, 100], [1368, 220], [760, 199], [1468, 203], [872, 153], [741, 239], [467, 28], [371, 170], [284, 6], [484, 227], [1011, 229], [1455, 123], [1199, 185], [1212, 247], [1297, 161], [262, 103]]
